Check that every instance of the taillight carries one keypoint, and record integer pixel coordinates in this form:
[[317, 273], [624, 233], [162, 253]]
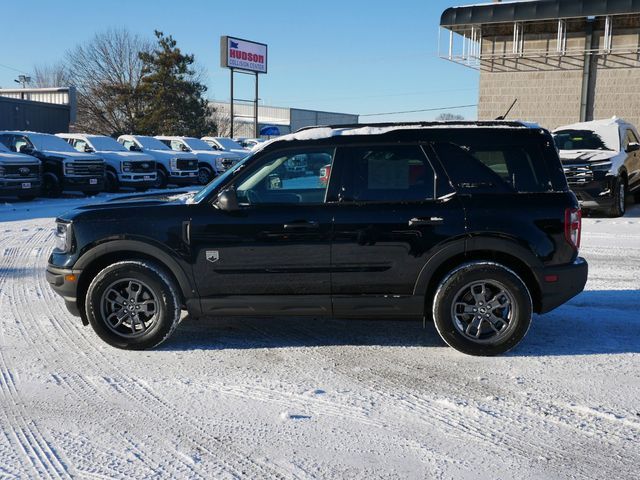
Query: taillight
[[573, 226]]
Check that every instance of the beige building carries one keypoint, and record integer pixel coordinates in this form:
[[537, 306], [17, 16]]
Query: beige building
[[563, 60]]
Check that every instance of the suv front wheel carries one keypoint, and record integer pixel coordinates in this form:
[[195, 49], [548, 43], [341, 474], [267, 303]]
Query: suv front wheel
[[482, 308], [133, 305]]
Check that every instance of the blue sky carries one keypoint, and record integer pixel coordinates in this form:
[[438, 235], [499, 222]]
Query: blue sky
[[346, 56]]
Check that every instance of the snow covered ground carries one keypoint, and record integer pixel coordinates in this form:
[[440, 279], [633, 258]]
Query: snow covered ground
[[296, 398]]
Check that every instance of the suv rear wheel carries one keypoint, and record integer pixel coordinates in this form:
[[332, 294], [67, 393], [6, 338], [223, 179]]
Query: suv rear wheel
[[482, 308], [133, 305]]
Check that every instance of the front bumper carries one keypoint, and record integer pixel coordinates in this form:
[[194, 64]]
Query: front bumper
[[596, 194], [83, 184], [13, 188], [183, 178], [559, 284], [67, 289], [138, 179]]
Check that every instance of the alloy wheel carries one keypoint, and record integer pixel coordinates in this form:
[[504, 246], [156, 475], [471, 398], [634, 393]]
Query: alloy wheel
[[483, 311], [129, 307]]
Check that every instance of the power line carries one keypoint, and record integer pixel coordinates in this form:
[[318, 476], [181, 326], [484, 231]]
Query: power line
[[416, 111], [14, 69]]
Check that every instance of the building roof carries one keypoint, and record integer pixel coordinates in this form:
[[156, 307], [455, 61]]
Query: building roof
[[535, 10]]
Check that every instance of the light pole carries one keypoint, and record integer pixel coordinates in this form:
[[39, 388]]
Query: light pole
[[23, 80]]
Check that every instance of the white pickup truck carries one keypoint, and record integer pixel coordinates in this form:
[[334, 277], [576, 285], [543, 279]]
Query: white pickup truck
[[177, 168], [123, 168], [211, 162]]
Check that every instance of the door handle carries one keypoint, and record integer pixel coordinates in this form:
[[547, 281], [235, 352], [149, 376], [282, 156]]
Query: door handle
[[417, 221], [302, 225]]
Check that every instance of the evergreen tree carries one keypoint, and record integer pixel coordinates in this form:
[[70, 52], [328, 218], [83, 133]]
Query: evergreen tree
[[171, 93]]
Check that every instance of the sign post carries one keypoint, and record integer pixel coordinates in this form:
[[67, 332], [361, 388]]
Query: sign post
[[246, 57]]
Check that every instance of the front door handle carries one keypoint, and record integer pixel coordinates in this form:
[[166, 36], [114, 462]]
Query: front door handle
[[302, 225], [417, 221]]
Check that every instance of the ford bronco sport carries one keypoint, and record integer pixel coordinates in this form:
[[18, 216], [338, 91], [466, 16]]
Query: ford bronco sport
[[471, 225]]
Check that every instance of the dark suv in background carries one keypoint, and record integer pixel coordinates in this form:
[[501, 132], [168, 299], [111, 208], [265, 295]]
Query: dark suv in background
[[471, 225]]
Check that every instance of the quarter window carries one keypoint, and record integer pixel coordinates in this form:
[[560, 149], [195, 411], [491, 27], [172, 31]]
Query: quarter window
[[387, 174], [495, 167]]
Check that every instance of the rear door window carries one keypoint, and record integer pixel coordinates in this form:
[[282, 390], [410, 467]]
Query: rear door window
[[498, 168], [393, 173]]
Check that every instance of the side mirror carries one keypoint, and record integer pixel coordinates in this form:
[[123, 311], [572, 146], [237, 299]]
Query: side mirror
[[184, 148], [88, 149], [25, 149], [134, 148], [228, 200], [633, 147]]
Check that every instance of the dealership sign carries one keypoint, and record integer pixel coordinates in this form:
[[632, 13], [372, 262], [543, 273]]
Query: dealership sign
[[243, 54]]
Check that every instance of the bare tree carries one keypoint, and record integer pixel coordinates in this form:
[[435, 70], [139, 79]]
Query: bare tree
[[107, 72], [449, 117], [221, 118], [50, 75]]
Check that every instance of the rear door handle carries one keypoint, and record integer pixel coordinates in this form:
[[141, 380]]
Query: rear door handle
[[302, 225], [417, 221]]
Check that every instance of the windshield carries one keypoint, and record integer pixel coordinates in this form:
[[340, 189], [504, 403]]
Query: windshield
[[580, 140], [228, 144], [151, 143], [50, 142], [197, 144], [211, 186], [106, 144]]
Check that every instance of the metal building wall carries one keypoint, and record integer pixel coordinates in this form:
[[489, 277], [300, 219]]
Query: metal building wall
[[16, 114], [306, 118]]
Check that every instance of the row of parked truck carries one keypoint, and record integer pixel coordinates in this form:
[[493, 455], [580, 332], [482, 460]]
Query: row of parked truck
[[34, 164]]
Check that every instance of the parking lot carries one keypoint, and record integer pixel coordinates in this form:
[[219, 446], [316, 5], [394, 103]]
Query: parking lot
[[315, 398]]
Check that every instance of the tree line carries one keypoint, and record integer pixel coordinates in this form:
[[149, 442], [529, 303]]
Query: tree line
[[128, 84]]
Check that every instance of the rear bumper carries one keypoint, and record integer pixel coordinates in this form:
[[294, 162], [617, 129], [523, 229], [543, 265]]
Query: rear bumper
[[68, 290], [559, 284]]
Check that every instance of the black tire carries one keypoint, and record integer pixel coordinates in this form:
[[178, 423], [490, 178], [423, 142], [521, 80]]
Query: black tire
[[51, 186], [111, 182], [450, 298], [205, 175], [155, 285], [161, 178], [619, 206]]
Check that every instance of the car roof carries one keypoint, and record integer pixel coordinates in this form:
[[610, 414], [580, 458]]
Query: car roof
[[596, 124]]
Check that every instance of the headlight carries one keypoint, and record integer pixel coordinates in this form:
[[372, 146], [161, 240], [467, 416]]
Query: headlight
[[604, 166], [63, 237], [174, 164], [126, 166]]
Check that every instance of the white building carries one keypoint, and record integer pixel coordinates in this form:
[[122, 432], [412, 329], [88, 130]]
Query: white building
[[286, 119]]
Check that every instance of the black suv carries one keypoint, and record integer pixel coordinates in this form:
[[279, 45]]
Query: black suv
[[471, 225]]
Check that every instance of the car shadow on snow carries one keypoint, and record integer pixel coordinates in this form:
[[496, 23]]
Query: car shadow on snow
[[595, 322]]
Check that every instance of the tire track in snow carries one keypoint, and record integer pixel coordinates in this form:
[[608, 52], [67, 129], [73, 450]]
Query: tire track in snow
[[39, 452], [160, 464], [237, 465]]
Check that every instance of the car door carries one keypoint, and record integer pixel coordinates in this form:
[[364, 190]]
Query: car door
[[395, 210], [276, 244]]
